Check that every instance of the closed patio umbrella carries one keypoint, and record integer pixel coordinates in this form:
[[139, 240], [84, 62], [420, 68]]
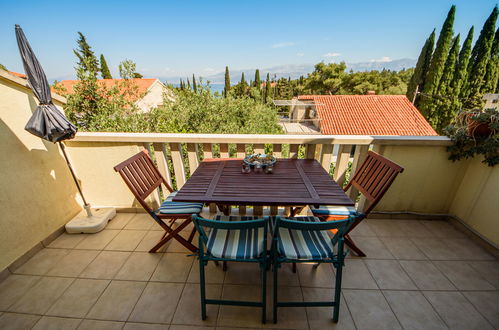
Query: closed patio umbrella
[[47, 122]]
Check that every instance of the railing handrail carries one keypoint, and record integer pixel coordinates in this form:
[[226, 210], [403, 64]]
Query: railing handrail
[[259, 138]]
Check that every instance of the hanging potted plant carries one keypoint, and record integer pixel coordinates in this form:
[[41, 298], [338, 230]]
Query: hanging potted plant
[[475, 132]]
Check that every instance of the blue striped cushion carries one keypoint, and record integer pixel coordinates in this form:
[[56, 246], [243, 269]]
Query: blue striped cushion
[[333, 210], [235, 244], [169, 207], [304, 244]]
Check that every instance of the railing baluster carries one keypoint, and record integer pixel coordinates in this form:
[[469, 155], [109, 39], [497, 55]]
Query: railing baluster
[[293, 150], [241, 150], [257, 210], [310, 151], [178, 164], [258, 148], [156, 194], [161, 155], [224, 150], [326, 156], [359, 156], [207, 150], [341, 164], [192, 154], [277, 150]]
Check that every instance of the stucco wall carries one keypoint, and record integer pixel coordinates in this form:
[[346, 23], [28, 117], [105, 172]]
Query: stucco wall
[[37, 194], [154, 97]]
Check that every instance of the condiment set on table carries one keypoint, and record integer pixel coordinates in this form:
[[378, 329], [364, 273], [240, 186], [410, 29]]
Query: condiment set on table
[[259, 162]]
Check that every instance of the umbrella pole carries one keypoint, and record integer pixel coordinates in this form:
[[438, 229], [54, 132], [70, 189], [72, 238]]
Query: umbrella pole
[[86, 205]]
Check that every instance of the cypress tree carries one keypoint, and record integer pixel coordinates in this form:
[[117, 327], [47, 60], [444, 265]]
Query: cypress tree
[[181, 85], [188, 84], [267, 88], [461, 72], [443, 107], [437, 64], [194, 86], [492, 72], [227, 82], [478, 63], [243, 82], [419, 75], [104, 69], [86, 58], [257, 79]]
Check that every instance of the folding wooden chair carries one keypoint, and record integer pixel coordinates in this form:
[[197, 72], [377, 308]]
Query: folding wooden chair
[[306, 239], [142, 177], [372, 180], [232, 238]]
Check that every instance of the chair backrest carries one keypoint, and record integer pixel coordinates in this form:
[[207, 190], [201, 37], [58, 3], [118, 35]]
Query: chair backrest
[[338, 227], [201, 223], [374, 177], [141, 176]]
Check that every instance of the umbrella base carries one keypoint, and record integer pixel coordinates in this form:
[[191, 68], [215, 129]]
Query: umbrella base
[[93, 224]]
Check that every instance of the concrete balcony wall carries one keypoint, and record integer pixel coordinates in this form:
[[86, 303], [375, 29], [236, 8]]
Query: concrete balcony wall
[[37, 193]]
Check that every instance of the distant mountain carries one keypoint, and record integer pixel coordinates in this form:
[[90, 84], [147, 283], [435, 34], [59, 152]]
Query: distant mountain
[[296, 70]]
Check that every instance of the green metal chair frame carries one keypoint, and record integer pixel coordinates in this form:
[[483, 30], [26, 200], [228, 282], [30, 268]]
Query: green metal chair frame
[[337, 259], [204, 256]]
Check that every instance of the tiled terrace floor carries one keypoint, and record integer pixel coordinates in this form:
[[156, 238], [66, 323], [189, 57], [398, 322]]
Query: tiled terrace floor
[[418, 274]]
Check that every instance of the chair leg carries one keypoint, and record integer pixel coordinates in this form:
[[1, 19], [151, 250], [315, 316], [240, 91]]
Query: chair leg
[[202, 289], [350, 243], [337, 293], [294, 267], [274, 302], [191, 235], [263, 271]]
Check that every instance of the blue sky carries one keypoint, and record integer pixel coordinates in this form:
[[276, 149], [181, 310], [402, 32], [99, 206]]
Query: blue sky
[[172, 38]]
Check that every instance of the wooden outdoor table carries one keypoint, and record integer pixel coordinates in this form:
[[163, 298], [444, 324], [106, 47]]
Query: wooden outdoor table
[[294, 182]]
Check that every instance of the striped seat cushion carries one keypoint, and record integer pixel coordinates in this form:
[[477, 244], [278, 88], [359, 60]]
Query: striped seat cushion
[[333, 210], [304, 244], [169, 207], [235, 244]]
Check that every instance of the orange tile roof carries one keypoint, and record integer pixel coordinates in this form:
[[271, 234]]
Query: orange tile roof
[[141, 83], [369, 115], [20, 75]]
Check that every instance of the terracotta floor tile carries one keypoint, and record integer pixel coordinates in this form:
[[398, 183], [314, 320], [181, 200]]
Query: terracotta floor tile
[[322, 317], [213, 274], [390, 275], [320, 277], [373, 247], [489, 270], [18, 321], [56, 323], [238, 316], [442, 229], [403, 248], [139, 266], [189, 307], [14, 287], [413, 310], [486, 303], [370, 310], [286, 276], [42, 295], [117, 301], [362, 229], [100, 325], [173, 267], [77, 300], [413, 228], [463, 276], [145, 326], [66, 241], [467, 249], [42, 262], [150, 240], [157, 303], [243, 273], [98, 240], [120, 220], [141, 221], [435, 249], [426, 275], [126, 240], [385, 228], [287, 317], [72, 264], [357, 276], [106, 265], [456, 311]]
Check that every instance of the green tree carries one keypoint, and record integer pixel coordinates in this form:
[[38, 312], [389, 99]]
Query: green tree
[[227, 82], [472, 92], [267, 94], [194, 86], [326, 78], [86, 58], [444, 105], [188, 84], [437, 65], [492, 72], [421, 70], [257, 82], [3, 67], [461, 72], [127, 70], [104, 69]]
